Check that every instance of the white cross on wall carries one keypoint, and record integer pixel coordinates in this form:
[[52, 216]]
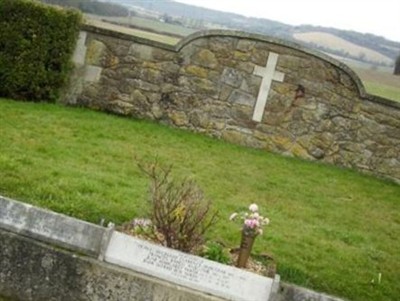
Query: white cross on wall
[[268, 74]]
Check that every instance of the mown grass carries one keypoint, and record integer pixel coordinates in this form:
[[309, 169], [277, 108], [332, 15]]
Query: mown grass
[[381, 83], [331, 229], [382, 90]]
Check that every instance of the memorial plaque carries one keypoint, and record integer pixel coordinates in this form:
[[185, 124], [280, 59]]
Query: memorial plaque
[[187, 270]]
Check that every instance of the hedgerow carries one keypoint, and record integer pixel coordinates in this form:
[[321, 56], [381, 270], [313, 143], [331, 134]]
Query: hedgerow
[[36, 45]]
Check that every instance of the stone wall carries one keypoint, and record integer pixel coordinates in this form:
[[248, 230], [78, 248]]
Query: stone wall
[[244, 88]]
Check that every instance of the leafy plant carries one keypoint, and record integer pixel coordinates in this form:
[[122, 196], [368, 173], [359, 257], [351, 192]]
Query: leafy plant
[[36, 45], [215, 252], [179, 210]]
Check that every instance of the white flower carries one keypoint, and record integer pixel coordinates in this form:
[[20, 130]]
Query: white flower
[[253, 208], [260, 231], [255, 215], [266, 221], [233, 215]]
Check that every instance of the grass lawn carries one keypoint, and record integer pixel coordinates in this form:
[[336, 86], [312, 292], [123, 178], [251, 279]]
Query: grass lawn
[[380, 83], [382, 90], [331, 229]]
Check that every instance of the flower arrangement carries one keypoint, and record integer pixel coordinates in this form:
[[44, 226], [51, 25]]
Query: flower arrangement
[[253, 222]]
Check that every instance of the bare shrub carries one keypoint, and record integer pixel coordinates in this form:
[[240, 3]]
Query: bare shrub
[[179, 210]]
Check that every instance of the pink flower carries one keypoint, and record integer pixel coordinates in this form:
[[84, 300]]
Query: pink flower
[[251, 223]]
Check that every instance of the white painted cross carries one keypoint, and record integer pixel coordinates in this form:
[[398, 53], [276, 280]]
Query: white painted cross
[[268, 74]]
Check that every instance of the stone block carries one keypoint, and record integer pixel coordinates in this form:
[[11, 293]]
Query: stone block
[[92, 74], [95, 53], [196, 71], [178, 118], [222, 45], [232, 77], [225, 92], [235, 136], [80, 50], [245, 45], [152, 76], [242, 98], [246, 67], [205, 58], [251, 85], [137, 97], [143, 85], [241, 56], [142, 52], [187, 270], [199, 85]]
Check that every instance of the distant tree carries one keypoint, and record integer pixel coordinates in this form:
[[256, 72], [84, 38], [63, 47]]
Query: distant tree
[[397, 66], [93, 7]]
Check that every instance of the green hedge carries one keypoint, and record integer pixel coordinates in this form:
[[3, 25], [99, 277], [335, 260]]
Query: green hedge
[[36, 45]]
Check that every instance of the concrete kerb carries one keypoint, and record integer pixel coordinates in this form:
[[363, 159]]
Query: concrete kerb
[[291, 292], [53, 228]]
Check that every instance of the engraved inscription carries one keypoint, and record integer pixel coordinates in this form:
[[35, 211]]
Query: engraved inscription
[[186, 270], [189, 268]]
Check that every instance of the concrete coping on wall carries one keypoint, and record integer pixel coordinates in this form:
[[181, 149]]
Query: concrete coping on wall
[[251, 36], [50, 227]]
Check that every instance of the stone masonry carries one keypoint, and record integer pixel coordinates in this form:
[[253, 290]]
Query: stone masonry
[[315, 107]]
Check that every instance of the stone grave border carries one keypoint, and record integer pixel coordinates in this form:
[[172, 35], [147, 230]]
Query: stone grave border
[[89, 248]]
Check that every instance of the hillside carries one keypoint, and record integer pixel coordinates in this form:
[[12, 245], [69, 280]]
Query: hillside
[[341, 46], [367, 48]]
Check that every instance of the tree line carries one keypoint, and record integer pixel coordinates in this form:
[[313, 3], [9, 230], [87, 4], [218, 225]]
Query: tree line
[[93, 7]]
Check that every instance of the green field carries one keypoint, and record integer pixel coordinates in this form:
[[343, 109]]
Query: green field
[[135, 32], [380, 83], [151, 24], [333, 230], [382, 90]]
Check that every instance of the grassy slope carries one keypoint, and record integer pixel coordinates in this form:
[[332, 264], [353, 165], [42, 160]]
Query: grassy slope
[[389, 92], [148, 23], [136, 32], [334, 42], [332, 230], [380, 83]]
